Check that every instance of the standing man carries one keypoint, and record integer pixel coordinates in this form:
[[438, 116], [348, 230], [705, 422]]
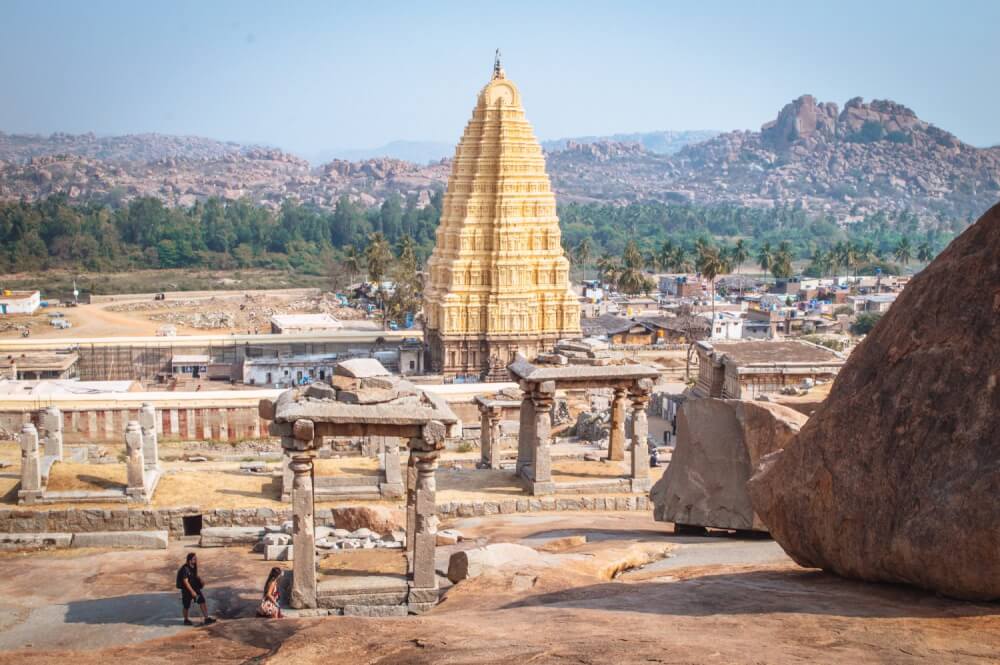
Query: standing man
[[191, 585]]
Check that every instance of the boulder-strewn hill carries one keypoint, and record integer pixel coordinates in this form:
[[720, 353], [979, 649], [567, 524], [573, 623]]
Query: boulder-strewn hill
[[665, 142], [876, 156]]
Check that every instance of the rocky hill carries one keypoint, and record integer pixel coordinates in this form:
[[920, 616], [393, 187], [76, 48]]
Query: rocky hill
[[665, 142], [868, 156]]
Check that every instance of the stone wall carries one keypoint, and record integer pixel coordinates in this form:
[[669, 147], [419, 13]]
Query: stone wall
[[171, 519], [102, 425]]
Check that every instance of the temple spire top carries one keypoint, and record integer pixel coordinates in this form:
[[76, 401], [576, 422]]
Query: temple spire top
[[497, 69]]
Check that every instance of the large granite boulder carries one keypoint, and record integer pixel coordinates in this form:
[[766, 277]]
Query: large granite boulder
[[896, 477], [719, 444]]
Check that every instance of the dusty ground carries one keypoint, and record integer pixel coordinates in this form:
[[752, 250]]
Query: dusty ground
[[714, 600], [210, 485], [131, 316]]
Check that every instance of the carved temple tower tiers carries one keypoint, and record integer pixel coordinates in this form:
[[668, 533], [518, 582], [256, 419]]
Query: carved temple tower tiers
[[498, 280]]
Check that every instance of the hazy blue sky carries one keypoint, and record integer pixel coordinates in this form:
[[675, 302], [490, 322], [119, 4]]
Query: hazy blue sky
[[317, 75]]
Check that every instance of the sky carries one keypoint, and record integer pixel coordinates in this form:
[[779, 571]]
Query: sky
[[312, 76]]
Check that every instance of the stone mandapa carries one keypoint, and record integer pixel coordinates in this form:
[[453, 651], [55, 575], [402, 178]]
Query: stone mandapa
[[895, 478]]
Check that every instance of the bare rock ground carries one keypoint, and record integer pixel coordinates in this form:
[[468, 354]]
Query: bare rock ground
[[716, 599]]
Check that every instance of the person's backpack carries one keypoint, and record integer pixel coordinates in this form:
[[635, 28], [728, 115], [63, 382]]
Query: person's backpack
[[180, 577]]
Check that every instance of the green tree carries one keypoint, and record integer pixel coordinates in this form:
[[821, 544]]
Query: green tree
[[904, 250], [632, 280], [710, 264], [924, 252], [582, 253], [865, 323], [765, 256]]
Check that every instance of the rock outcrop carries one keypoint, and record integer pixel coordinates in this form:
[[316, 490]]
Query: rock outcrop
[[870, 157], [896, 477], [719, 444]]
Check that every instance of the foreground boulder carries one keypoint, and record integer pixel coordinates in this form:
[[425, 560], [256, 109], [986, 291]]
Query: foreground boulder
[[719, 444], [896, 477], [481, 560]]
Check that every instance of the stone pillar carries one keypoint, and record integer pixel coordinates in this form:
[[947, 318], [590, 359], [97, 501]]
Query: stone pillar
[[31, 466], [51, 420], [411, 506], [136, 485], [392, 488], [616, 438], [150, 444], [303, 532], [526, 433], [287, 477], [640, 435], [541, 469], [489, 438], [423, 583]]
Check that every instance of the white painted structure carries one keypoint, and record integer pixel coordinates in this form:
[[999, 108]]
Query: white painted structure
[[20, 302]]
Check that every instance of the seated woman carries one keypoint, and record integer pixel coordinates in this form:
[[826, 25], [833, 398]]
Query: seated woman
[[269, 607]]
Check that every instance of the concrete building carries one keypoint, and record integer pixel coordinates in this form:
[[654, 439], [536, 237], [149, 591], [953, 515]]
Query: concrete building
[[498, 280], [879, 303], [20, 302], [287, 371], [37, 366], [743, 370], [727, 326], [283, 324], [194, 365]]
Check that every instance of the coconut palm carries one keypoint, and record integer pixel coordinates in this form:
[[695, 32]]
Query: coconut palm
[[353, 261], [781, 263], [582, 253], [632, 279], [710, 263], [765, 256], [924, 252], [904, 250]]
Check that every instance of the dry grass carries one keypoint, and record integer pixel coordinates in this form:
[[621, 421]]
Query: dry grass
[[354, 562], [66, 477]]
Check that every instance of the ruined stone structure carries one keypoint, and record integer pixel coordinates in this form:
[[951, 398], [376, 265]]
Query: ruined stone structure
[[364, 401], [492, 412], [539, 383], [498, 280], [40, 450]]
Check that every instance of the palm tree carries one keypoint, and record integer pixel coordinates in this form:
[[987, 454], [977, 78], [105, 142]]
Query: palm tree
[[608, 268], [353, 261], [924, 252], [765, 257], [740, 254], [820, 261], [711, 262], [582, 253], [378, 255], [631, 279], [781, 263], [665, 254], [904, 250]]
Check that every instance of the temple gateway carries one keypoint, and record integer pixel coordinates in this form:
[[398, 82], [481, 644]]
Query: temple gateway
[[498, 280]]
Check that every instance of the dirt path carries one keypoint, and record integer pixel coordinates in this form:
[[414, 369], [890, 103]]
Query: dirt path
[[716, 600]]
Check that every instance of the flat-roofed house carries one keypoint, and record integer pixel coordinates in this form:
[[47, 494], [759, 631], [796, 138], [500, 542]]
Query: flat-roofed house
[[304, 323], [20, 302], [37, 366], [743, 370]]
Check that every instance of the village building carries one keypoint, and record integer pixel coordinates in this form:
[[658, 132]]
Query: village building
[[744, 370], [20, 302], [286, 371], [37, 366], [498, 280], [877, 302], [682, 286], [646, 331]]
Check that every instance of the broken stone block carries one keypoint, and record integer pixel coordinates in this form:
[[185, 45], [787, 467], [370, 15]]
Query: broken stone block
[[719, 444], [475, 562], [321, 391], [277, 539], [360, 368], [448, 537], [278, 553]]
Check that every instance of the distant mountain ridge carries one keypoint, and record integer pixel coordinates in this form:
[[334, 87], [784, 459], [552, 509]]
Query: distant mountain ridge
[[419, 152], [864, 157], [665, 142]]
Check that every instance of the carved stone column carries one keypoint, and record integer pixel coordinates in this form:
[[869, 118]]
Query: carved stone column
[[303, 532], [489, 437], [526, 432], [425, 450], [51, 421], [541, 470], [150, 443], [411, 506], [31, 467], [392, 488], [640, 434], [136, 484], [616, 438]]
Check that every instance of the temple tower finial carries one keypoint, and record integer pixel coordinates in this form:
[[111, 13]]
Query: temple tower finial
[[497, 69]]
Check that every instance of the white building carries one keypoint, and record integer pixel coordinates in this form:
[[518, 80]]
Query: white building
[[20, 302], [727, 325], [286, 371], [304, 323]]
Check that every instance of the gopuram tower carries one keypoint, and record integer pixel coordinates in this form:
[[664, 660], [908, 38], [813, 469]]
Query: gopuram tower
[[498, 281]]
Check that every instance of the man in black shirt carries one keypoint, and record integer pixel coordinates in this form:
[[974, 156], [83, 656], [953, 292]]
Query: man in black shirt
[[190, 585]]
